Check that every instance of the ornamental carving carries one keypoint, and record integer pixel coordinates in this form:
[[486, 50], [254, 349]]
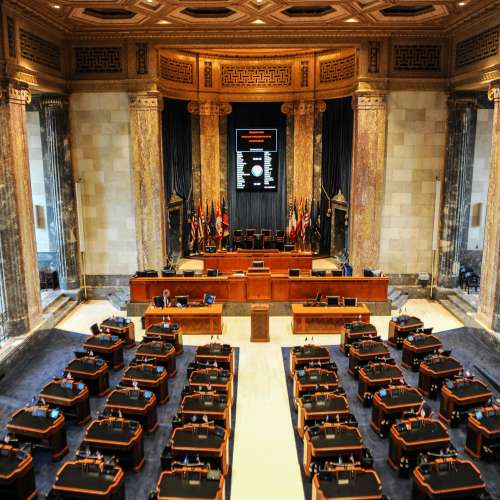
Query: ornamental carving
[[373, 57], [53, 101], [270, 75], [176, 71], [369, 101], [207, 108], [39, 51], [303, 107], [335, 70], [15, 92], [141, 56], [98, 60], [207, 73], [304, 73], [494, 91], [147, 101], [476, 48], [417, 58]]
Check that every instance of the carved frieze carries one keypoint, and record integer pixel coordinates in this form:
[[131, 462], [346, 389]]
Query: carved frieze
[[39, 50], [15, 92], [303, 107], [267, 75], [53, 101], [304, 73], [207, 72], [145, 101], [369, 101], [175, 70], [417, 58], [98, 60], [208, 108], [338, 69], [373, 57], [477, 48]]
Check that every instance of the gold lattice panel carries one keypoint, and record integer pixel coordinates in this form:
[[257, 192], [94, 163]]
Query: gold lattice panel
[[336, 70], [98, 59], [477, 47], [417, 58], [177, 71], [39, 51], [269, 75]]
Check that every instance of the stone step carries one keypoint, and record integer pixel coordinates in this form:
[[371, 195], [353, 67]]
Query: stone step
[[119, 300], [462, 304], [400, 301], [458, 313]]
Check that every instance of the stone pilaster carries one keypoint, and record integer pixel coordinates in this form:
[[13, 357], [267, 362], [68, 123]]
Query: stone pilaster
[[459, 162], [54, 127], [150, 214], [210, 151], [18, 259], [304, 113], [195, 157], [367, 184], [489, 303]]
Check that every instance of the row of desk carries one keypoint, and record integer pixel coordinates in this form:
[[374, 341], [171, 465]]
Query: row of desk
[[255, 287]]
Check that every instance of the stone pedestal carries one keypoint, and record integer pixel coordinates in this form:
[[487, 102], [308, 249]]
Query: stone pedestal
[[304, 118], [489, 303], [58, 170], [459, 163], [210, 150], [150, 213], [19, 282], [367, 184]]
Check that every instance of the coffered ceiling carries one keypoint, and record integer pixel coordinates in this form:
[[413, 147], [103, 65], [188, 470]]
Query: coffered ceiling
[[162, 15]]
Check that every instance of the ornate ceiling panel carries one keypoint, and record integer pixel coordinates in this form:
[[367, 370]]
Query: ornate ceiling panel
[[158, 15]]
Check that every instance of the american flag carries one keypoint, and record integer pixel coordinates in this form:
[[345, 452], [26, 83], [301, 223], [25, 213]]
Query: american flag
[[307, 222]]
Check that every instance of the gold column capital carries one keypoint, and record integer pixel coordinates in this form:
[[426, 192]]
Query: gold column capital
[[142, 101], [15, 92], [494, 91], [48, 101], [303, 107], [363, 100], [208, 108]]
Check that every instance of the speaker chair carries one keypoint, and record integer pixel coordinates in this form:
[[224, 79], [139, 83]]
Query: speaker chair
[[238, 238], [95, 329], [250, 238], [267, 238]]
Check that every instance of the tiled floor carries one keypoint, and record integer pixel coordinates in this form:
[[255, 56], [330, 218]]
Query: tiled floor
[[264, 445]]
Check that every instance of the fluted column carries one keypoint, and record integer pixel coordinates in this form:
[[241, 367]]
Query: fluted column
[[54, 127], [367, 184], [147, 170], [304, 115], [210, 159], [489, 300], [19, 282], [459, 163]]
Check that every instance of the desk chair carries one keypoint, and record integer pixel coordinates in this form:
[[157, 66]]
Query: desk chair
[[95, 330], [238, 238], [279, 239], [267, 238], [250, 238], [336, 272]]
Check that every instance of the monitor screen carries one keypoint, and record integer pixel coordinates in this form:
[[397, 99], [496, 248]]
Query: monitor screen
[[208, 299], [183, 300], [258, 263], [294, 272], [333, 300], [350, 301]]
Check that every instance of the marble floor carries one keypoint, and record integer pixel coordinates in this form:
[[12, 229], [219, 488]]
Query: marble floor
[[264, 444]]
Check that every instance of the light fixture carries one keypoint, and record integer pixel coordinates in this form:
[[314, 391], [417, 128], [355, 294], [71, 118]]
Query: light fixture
[[56, 6], [164, 21], [461, 4], [258, 21], [352, 20]]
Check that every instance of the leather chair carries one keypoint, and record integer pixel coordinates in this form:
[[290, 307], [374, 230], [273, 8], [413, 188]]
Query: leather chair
[[250, 238], [238, 238], [279, 239], [267, 238]]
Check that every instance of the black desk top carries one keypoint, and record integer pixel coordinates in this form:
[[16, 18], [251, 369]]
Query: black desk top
[[400, 396], [144, 372], [362, 328], [74, 475], [210, 376], [130, 398], [152, 348], [440, 364], [116, 322], [381, 371], [369, 347], [110, 429], [103, 340], [11, 459], [316, 376], [362, 484], [35, 418], [170, 328], [324, 404], [419, 430], [201, 403], [488, 418], [310, 351], [441, 477], [197, 438], [468, 388], [193, 485], [422, 340], [408, 321], [335, 437], [86, 364], [63, 389], [213, 350]]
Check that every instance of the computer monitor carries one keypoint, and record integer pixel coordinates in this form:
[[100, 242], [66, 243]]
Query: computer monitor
[[158, 301], [367, 273], [289, 248], [294, 272], [188, 274], [210, 249], [183, 300], [258, 263], [319, 273], [168, 272], [333, 300], [350, 301], [336, 272], [212, 272], [208, 299]]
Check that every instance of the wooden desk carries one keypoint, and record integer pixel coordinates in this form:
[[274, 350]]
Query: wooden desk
[[192, 320], [316, 320], [276, 261]]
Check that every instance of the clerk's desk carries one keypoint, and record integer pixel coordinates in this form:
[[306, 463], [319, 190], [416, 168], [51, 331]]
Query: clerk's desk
[[271, 287], [203, 319]]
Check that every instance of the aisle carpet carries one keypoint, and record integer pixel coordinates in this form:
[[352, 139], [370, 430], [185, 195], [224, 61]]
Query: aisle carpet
[[48, 360], [470, 349]]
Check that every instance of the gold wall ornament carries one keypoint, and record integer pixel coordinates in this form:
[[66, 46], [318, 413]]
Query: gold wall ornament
[[141, 56], [175, 70], [145, 101], [15, 92], [38, 50], [417, 58], [303, 107], [373, 57], [97, 60], [249, 76], [477, 48], [337, 69], [365, 101], [209, 108], [494, 91]]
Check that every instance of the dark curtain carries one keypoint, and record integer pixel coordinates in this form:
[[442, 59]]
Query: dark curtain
[[336, 159], [257, 210], [177, 160]]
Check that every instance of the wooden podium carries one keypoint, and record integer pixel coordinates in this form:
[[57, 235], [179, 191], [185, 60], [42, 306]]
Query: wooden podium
[[260, 323]]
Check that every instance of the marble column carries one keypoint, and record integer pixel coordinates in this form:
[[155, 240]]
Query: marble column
[[489, 300], [457, 185], [304, 117], [147, 172], [58, 170], [210, 148], [18, 258], [367, 184]]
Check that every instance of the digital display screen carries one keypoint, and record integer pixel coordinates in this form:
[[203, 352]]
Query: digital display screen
[[256, 159]]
